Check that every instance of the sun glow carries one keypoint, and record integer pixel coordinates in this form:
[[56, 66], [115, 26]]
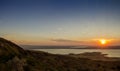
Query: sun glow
[[103, 41]]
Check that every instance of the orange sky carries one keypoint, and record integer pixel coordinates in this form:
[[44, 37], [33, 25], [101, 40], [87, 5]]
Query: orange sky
[[60, 22], [63, 41]]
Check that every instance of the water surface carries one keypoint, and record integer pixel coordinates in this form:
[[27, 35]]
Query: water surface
[[110, 52]]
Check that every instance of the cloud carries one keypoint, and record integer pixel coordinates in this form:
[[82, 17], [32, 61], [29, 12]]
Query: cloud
[[66, 40]]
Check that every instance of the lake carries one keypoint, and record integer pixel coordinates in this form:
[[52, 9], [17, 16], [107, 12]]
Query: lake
[[110, 52]]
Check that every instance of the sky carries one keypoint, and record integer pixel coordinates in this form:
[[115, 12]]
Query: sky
[[60, 22]]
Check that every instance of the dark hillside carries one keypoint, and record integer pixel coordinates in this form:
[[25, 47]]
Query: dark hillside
[[14, 58]]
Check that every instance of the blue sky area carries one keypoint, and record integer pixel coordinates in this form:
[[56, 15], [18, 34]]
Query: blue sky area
[[47, 22]]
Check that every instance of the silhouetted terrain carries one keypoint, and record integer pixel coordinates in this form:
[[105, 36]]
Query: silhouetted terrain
[[95, 56], [14, 58], [68, 47]]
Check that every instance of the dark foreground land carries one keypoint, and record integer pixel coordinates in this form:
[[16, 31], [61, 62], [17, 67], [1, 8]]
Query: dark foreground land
[[14, 58]]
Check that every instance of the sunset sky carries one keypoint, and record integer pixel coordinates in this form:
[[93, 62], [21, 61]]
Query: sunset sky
[[60, 22]]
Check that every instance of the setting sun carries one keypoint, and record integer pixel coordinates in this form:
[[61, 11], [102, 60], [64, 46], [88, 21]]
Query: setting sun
[[103, 41]]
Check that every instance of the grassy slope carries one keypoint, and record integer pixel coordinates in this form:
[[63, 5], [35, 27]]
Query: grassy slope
[[14, 58]]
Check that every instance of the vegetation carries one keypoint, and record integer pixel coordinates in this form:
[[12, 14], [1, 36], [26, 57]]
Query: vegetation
[[14, 58]]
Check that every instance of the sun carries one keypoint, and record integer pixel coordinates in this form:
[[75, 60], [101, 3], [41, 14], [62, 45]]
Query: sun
[[103, 41]]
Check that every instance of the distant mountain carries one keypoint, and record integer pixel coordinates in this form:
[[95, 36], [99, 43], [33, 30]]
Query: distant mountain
[[14, 58], [68, 47], [45, 47]]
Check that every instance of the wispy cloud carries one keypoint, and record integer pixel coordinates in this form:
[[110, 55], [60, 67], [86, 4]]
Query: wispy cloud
[[67, 40]]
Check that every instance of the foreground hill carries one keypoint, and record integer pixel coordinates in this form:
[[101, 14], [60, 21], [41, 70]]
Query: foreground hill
[[14, 58]]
